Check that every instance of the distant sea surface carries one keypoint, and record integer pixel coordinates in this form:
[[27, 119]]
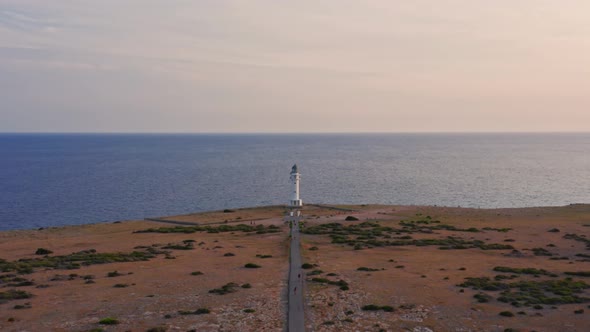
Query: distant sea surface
[[64, 179]]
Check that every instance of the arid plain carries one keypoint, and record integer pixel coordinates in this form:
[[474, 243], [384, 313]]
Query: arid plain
[[395, 268]]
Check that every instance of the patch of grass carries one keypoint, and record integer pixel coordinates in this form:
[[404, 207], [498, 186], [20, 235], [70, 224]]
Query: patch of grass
[[252, 266], [579, 273], [541, 252], [529, 293], [246, 286], [249, 311], [529, 270], [197, 273], [306, 266], [315, 272], [578, 238], [482, 297], [501, 230], [157, 329], [74, 260], [258, 229], [176, 246], [108, 321], [368, 269], [314, 249], [351, 218], [23, 306], [121, 285], [200, 311], [229, 254], [14, 294], [264, 256]]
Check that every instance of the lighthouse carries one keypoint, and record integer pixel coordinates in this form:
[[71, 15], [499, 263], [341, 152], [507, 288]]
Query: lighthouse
[[295, 177]]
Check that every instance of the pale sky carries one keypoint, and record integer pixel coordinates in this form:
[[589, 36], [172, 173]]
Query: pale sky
[[294, 66]]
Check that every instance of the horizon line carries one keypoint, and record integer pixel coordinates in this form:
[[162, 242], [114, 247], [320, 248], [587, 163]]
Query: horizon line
[[279, 133]]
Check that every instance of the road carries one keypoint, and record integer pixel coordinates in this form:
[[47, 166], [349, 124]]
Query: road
[[296, 277]]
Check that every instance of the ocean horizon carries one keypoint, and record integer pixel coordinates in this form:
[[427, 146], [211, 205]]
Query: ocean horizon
[[55, 179]]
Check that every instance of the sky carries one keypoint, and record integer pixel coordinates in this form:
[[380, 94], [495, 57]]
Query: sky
[[294, 66]]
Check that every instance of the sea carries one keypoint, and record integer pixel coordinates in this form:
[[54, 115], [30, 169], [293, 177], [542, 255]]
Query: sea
[[65, 179]]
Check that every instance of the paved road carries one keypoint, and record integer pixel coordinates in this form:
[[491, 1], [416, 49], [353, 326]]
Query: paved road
[[296, 276]]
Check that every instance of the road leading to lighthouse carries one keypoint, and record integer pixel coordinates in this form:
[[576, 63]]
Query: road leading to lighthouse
[[296, 277]]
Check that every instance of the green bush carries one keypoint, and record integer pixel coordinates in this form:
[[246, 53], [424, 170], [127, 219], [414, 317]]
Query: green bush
[[351, 218], [196, 273], [506, 314], [229, 254], [108, 321], [249, 311], [252, 266], [306, 266]]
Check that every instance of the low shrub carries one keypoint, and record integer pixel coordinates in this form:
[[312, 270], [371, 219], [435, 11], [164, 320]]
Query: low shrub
[[306, 266], [229, 254], [252, 266], [507, 314], [157, 329], [14, 294], [351, 218], [43, 251], [114, 274], [225, 289], [196, 273], [249, 311], [108, 321]]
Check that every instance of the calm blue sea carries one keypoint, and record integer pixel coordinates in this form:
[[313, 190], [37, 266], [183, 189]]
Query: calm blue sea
[[55, 179]]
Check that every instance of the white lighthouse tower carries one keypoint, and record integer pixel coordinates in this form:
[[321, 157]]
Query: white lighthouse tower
[[295, 177]]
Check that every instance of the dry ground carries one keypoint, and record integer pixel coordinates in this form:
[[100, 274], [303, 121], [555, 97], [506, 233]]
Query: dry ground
[[423, 293]]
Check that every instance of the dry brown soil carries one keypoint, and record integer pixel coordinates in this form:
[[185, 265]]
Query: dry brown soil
[[423, 293]]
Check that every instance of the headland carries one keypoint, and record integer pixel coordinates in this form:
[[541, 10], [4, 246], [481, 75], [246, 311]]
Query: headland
[[367, 268]]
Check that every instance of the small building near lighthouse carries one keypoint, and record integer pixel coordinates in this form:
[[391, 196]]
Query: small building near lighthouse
[[295, 178]]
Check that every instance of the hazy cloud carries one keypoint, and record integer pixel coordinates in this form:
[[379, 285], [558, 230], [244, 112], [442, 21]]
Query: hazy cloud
[[332, 65]]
